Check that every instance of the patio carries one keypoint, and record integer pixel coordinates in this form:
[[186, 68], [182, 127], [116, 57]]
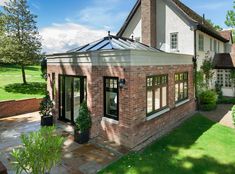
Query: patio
[[88, 158]]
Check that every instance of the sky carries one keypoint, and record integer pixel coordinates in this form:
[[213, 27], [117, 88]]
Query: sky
[[66, 24]]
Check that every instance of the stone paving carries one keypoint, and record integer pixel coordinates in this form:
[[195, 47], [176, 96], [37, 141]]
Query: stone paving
[[222, 115], [77, 159]]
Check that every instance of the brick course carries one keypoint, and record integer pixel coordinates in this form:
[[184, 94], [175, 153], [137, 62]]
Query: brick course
[[17, 107], [132, 128]]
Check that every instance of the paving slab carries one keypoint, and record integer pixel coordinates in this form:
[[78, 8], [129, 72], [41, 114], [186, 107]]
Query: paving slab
[[76, 158]]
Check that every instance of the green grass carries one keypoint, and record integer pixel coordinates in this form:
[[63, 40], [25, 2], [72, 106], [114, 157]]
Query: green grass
[[199, 146], [11, 87]]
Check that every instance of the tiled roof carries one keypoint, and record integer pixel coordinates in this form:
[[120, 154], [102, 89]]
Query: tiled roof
[[224, 61], [113, 43], [201, 24], [227, 34]]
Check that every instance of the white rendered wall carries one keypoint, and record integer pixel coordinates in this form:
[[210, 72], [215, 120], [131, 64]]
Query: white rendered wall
[[168, 21], [201, 54], [134, 27]]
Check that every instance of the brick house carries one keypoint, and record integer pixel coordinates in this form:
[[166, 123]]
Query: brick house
[[174, 27], [134, 92]]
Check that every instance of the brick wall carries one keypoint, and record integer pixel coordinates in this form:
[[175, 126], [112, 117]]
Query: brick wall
[[17, 107], [132, 128]]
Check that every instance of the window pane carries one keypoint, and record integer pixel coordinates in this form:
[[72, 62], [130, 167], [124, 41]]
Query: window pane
[[185, 90], [150, 82], [111, 103], [164, 96], [149, 101], [181, 91], [157, 99], [176, 92]]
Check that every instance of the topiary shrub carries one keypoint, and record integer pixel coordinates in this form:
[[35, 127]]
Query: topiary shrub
[[83, 121], [46, 105], [208, 100], [233, 114]]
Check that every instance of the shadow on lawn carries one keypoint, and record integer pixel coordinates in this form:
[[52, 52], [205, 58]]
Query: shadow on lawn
[[16, 68], [29, 88], [163, 156]]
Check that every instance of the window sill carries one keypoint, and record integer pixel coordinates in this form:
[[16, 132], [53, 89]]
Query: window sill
[[157, 114], [112, 121], [181, 103]]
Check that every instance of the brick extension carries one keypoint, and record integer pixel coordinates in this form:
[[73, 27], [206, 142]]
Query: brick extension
[[132, 128]]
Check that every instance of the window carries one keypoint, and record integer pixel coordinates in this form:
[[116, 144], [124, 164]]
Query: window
[[211, 45], [201, 42], [181, 86], [174, 41], [215, 46], [157, 92], [224, 78], [218, 47], [111, 97], [53, 86]]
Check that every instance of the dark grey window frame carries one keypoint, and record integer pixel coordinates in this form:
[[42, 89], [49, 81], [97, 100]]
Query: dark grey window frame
[[107, 89], [178, 82], [155, 86]]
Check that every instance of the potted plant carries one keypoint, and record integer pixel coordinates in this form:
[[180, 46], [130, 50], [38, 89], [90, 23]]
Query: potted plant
[[82, 125], [39, 153], [46, 107]]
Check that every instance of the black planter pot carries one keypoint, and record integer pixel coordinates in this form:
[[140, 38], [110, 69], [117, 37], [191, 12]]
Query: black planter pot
[[81, 137], [47, 120]]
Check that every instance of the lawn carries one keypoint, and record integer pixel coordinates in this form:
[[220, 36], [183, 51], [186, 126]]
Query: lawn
[[199, 146], [11, 87]]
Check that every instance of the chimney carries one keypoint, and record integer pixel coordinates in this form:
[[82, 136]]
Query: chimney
[[148, 16]]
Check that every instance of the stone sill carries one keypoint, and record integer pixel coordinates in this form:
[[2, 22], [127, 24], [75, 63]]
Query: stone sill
[[181, 103], [157, 114], [109, 120]]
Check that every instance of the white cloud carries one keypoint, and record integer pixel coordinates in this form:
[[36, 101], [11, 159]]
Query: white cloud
[[63, 37], [2, 2]]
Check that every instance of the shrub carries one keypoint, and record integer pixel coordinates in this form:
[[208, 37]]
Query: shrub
[[208, 100], [233, 114], [83, 121], [46, 105], [40, 152]]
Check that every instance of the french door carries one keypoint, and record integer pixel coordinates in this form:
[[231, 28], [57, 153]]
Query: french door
[[72, 93]]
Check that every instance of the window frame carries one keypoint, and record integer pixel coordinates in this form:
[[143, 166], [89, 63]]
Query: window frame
[[201, 42], [61, 92], [153, 89], [111, 90], [177, 41], [178, 82]]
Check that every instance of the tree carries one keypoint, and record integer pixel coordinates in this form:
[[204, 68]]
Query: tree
[[207, 69], [216, 27], [21, 42], [230, 19]]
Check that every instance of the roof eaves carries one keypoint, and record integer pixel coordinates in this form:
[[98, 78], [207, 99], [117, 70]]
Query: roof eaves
[[130, 16]]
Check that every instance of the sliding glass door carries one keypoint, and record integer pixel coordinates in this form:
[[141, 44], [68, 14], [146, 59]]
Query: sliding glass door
[[72, 93]]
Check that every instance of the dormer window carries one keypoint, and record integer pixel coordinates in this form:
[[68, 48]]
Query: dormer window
[[174, 41]]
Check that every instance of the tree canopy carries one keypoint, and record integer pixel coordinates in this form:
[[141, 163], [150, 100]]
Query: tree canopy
[[20, 40]]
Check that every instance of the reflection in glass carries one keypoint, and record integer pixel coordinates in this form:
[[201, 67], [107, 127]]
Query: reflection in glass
[[164, 96], [157, 99], [76, 97], [68, 97], [149, 101], [111, 103]]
